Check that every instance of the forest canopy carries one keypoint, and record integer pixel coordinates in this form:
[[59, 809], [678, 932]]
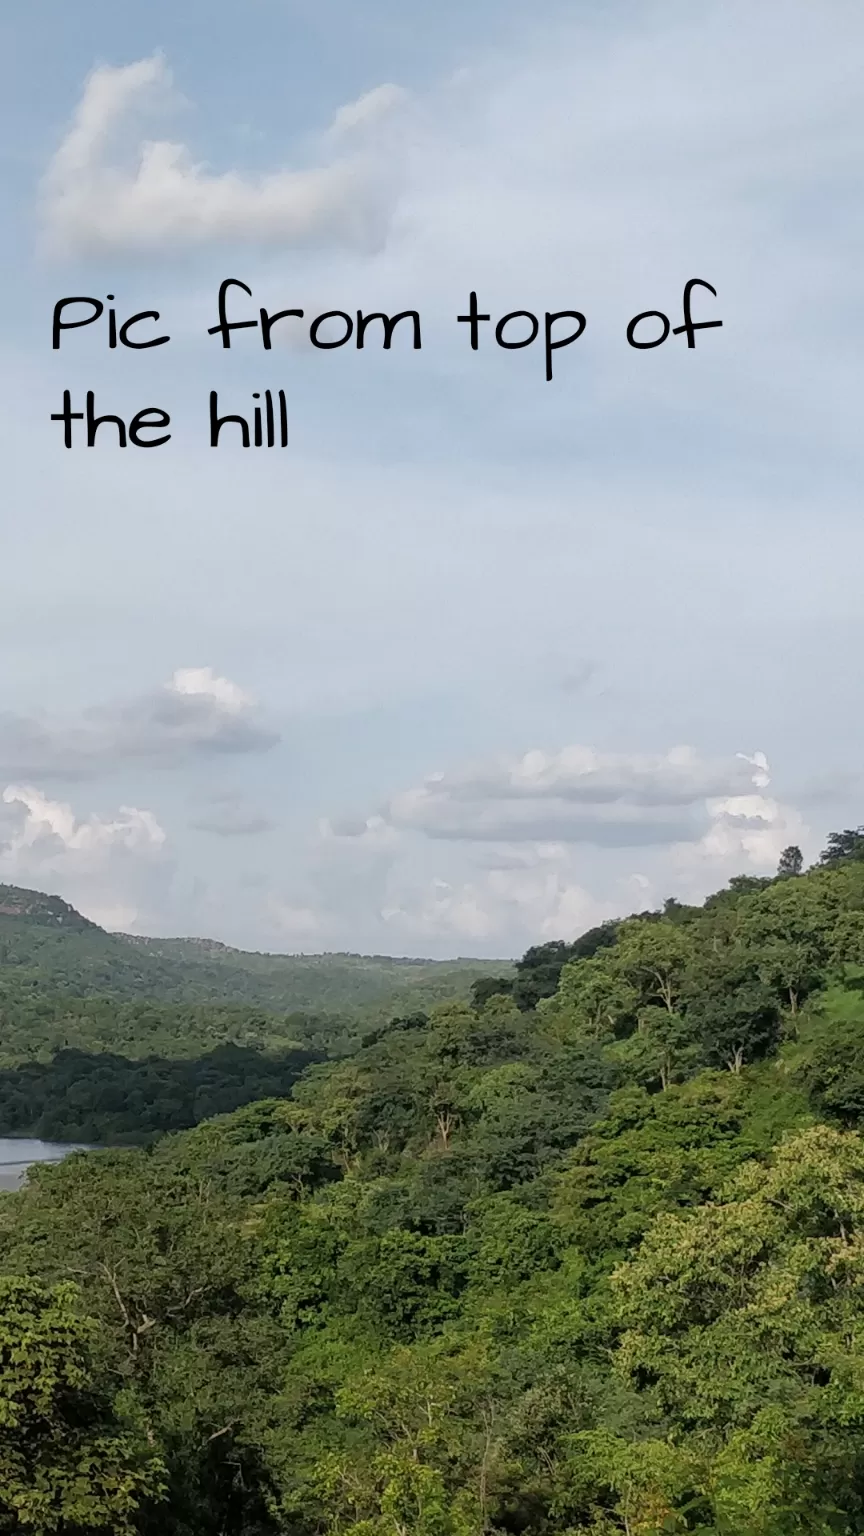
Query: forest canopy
[[580, 1255]]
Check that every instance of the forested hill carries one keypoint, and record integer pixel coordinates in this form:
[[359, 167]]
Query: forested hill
[[329, 982], [581, 1257], [45, 941]]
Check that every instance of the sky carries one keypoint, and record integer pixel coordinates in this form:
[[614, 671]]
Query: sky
[[480, 659]]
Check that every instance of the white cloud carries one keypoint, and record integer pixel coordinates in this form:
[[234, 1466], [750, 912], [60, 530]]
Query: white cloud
[[197, 713], [503, 907], [296, 924], [52, 821], [202, 682], [759, 761], [747, 835], [114, 869], [378, 886], [498, 856], [683, 517], [375, 833], [372, 108], [575, 795], [156, 195], [397, 889]]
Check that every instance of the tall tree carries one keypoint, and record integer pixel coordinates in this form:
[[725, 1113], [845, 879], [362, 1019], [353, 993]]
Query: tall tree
[[654, 957], [791, 862], [843, 846]]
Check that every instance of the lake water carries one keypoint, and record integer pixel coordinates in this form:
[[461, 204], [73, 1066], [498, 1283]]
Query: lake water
[[18, 1152]]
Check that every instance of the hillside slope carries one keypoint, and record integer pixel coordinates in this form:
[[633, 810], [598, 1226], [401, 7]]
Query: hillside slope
[[588, 1265], [46, 943]]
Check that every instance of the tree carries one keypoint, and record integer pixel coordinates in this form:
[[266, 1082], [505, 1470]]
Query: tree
[[793, 970], [423, 1448], [382, 1304], [69, 1459], [664, 1151], [791, 862], [654, 957], [732, 1006], [593, 997], [539, 970], [829, 1059], [842, 847], [791, 931], [486, 987], [167, 1267], [662, 1047], [743, 1322], [739, 1027]]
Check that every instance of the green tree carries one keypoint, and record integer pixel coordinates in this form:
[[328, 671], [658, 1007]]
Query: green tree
[[654, 957], [70, 1460], [791, 862], [828, 1057], [426, 1467], [791, 930], [486, 987], [732, 1004], [842, 847], [594, 997], [539, 970], [661, 1050], [742, 1326]]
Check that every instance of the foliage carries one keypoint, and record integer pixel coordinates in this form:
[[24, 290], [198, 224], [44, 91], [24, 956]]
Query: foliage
[[583, 1256], [842, 846], [70, 1459], [791, 861], [52, 959], [103, 1098], [743, 1326]]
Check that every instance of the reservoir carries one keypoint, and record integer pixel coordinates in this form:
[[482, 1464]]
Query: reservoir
[[18, 1152]]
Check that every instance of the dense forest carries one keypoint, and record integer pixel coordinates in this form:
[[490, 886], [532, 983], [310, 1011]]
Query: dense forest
[[109, 1038], [581, 1254], [104, 1099], [45, 945]]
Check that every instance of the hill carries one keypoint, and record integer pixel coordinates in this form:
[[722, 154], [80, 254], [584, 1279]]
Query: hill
[[108, 1038], [334, 981], [47, 944], [580, 1258]]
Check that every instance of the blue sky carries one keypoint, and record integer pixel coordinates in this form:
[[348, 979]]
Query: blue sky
[[479, 659]]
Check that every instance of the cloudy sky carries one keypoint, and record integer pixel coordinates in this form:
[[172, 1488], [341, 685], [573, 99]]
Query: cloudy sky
[[479, 659]]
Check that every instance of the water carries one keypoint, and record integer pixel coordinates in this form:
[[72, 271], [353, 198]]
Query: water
[[18, 1152]]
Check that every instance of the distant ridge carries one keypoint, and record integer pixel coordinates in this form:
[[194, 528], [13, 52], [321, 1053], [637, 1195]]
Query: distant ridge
[[46, 944], [16, 901], [209, 946], [216, 947]]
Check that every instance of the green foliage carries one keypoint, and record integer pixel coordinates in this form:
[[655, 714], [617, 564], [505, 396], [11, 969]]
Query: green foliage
[[742, 1325], [658, 1152], [36, 1024], [66, 982], [717, 985], [843, 846], [107, 1099], [791, 861], [582, 1256], [70, 1458], [539, 970], [828, 1055]]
